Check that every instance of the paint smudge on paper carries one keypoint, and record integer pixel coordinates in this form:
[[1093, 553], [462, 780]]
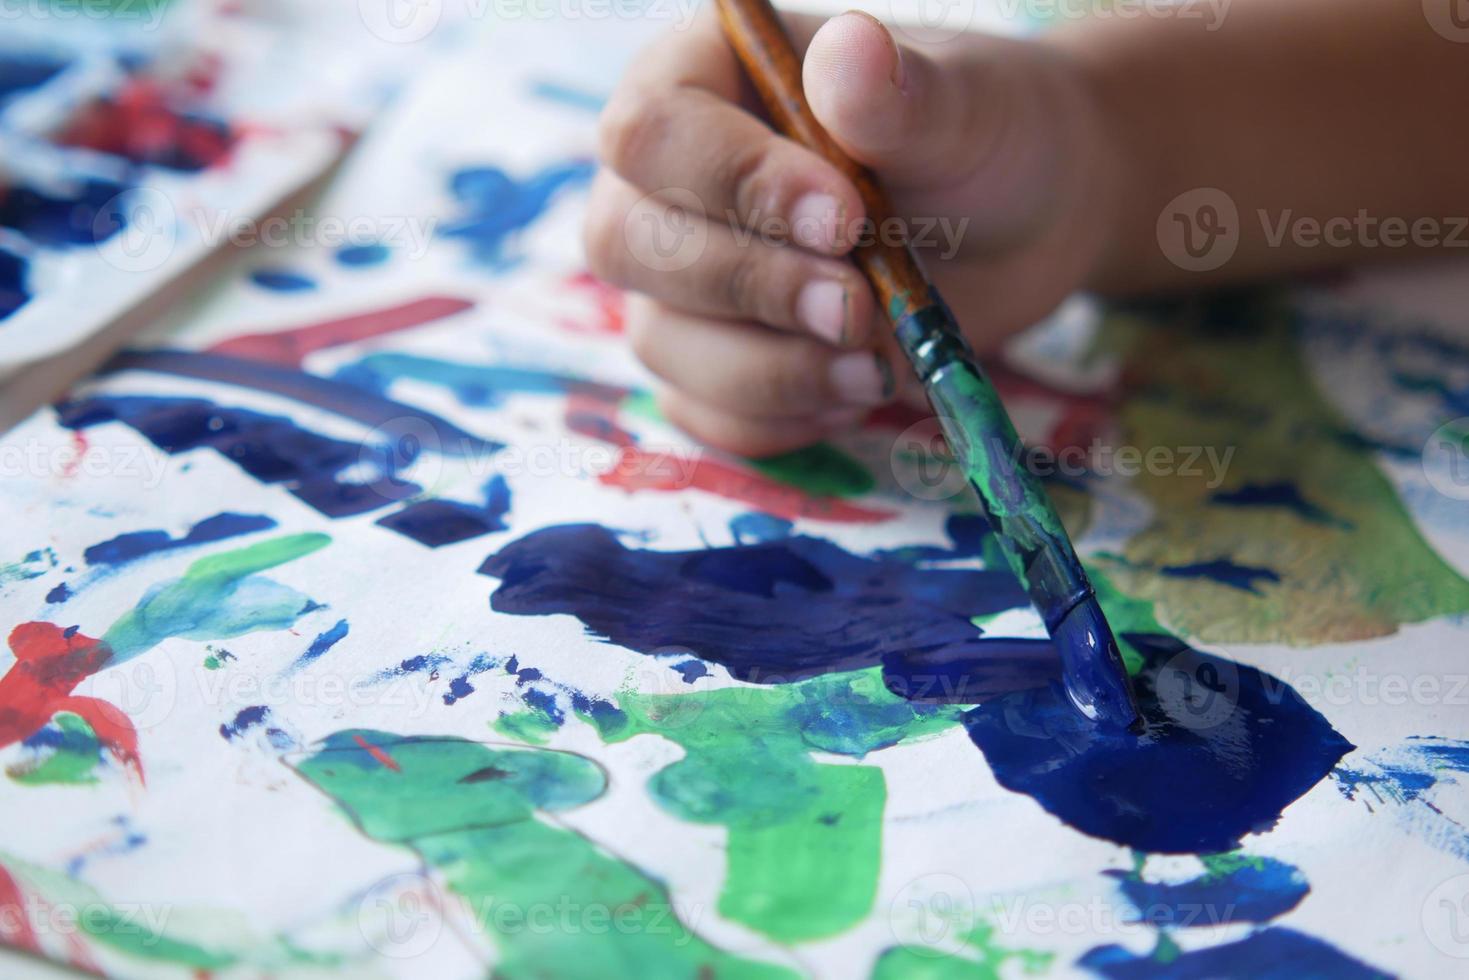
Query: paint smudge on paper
[[130, 547], [324, 641], [282, 281], [1233, 887], [494, 207], [74, 212], [141, 124], [66, 752], [1281, 494], [1274, 954], [363, 256], [1225, 572], [14, 283], [439, 521], [471, 812], [980, 956], [290, 347], [1402, 781]]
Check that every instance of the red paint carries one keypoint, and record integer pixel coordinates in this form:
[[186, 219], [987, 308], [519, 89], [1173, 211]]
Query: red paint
[[610, 303], [139, 123], [15, 925], [377, 753], [79, 448], [638, 470], [290, 347], [49, 664]]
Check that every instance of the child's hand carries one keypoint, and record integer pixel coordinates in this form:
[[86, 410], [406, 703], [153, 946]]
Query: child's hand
[[990, 149]]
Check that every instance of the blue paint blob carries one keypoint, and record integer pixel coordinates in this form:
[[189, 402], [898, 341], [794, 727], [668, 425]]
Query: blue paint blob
[[1254, 890], [439, 522], [1285, 495], [495, 207], [1224, 750], [59, 594], [245, 719], [363, 256], [755, 527], [691, 670], [1270, 954], [323, 642], [129, 547], [82, 211], [14, 275], [271, 448], [1225, 572], [21, 71], [459, 687], [282, 281], [770, 612]]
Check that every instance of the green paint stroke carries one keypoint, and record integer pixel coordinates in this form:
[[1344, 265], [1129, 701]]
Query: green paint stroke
[[1244, 387], [980, 958], [33, 565], [70, 762], [480, 816], [219, 597], [531, 725], [821, 470], [805, 838]]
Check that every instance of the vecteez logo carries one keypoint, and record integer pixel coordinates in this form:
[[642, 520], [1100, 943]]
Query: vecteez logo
[[401, 21]]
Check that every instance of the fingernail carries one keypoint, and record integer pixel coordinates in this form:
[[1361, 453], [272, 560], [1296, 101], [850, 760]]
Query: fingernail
[[821, 307], [815, 221], [861, 378]]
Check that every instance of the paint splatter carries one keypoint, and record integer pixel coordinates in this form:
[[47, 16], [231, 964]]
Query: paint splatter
[[495, 207], [363, 256], [130, 547], [439, 522], [319, 646], [289, 347], [140, 123], [58, 594], [1402, 781], [1233, 888], [1225, 572], [1271, 954], [282, 281], [244, 720], [471, 812], [79, 211]]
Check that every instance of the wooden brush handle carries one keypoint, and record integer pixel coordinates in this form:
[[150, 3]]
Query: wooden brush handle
[[759, 40]]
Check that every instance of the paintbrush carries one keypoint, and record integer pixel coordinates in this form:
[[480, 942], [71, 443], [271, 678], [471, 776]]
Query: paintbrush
[[979, 432]]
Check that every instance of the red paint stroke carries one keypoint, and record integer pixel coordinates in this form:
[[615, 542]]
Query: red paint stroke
[[610, 303], [640, 470], [290, 347], [15, 925], [377, 753], [79, 448], [139, 122], [589, 415], [49, 664]]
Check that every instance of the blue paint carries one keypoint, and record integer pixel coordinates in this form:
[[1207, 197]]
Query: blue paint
[[1223, 751], [545, 703], [691, 670], [771, 612], [1253, 890], [475, 385], [563, 94], [1401, 780], [1270, 954], [363, 256], [282, 281], [755, 527], [83, 211], [60, 593], [424, 663], [439, 522], [1225, 572], [270, 448], [1093, 674], [495, 207], [129, 547], [21, 71], [323, 642], [245, 719], [14, 289], [459, 687], [1285, 495]]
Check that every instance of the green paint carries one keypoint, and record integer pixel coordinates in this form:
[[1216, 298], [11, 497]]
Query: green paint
[[530, 725], [821, 470], [70, 763], [1245, 386], [981, 958], [805, 838], [479, 817], [220, 596], [33, 565], [642, 405], [211, 662]]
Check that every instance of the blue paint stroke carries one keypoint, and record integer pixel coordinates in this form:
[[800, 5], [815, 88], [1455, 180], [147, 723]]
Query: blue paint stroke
[[137, 544], [282, 281], [439, 522], [1401, 781], [21, 71], [270, 448], [567, 95], [245, 719], [1256, 889], [1285, 495], [87, 212], [58, 594], [755, 527], [1225, 572], [319, 646], [363, 256], [339, 399], [1270, 954], [772, 612], [1224, 750], [495, 207], [474, 385], [423, 663], [14, 283]]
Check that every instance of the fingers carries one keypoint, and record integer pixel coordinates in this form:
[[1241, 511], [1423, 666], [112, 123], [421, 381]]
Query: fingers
[[704, 267], [746, 436], [676, 123], [751, 372]]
